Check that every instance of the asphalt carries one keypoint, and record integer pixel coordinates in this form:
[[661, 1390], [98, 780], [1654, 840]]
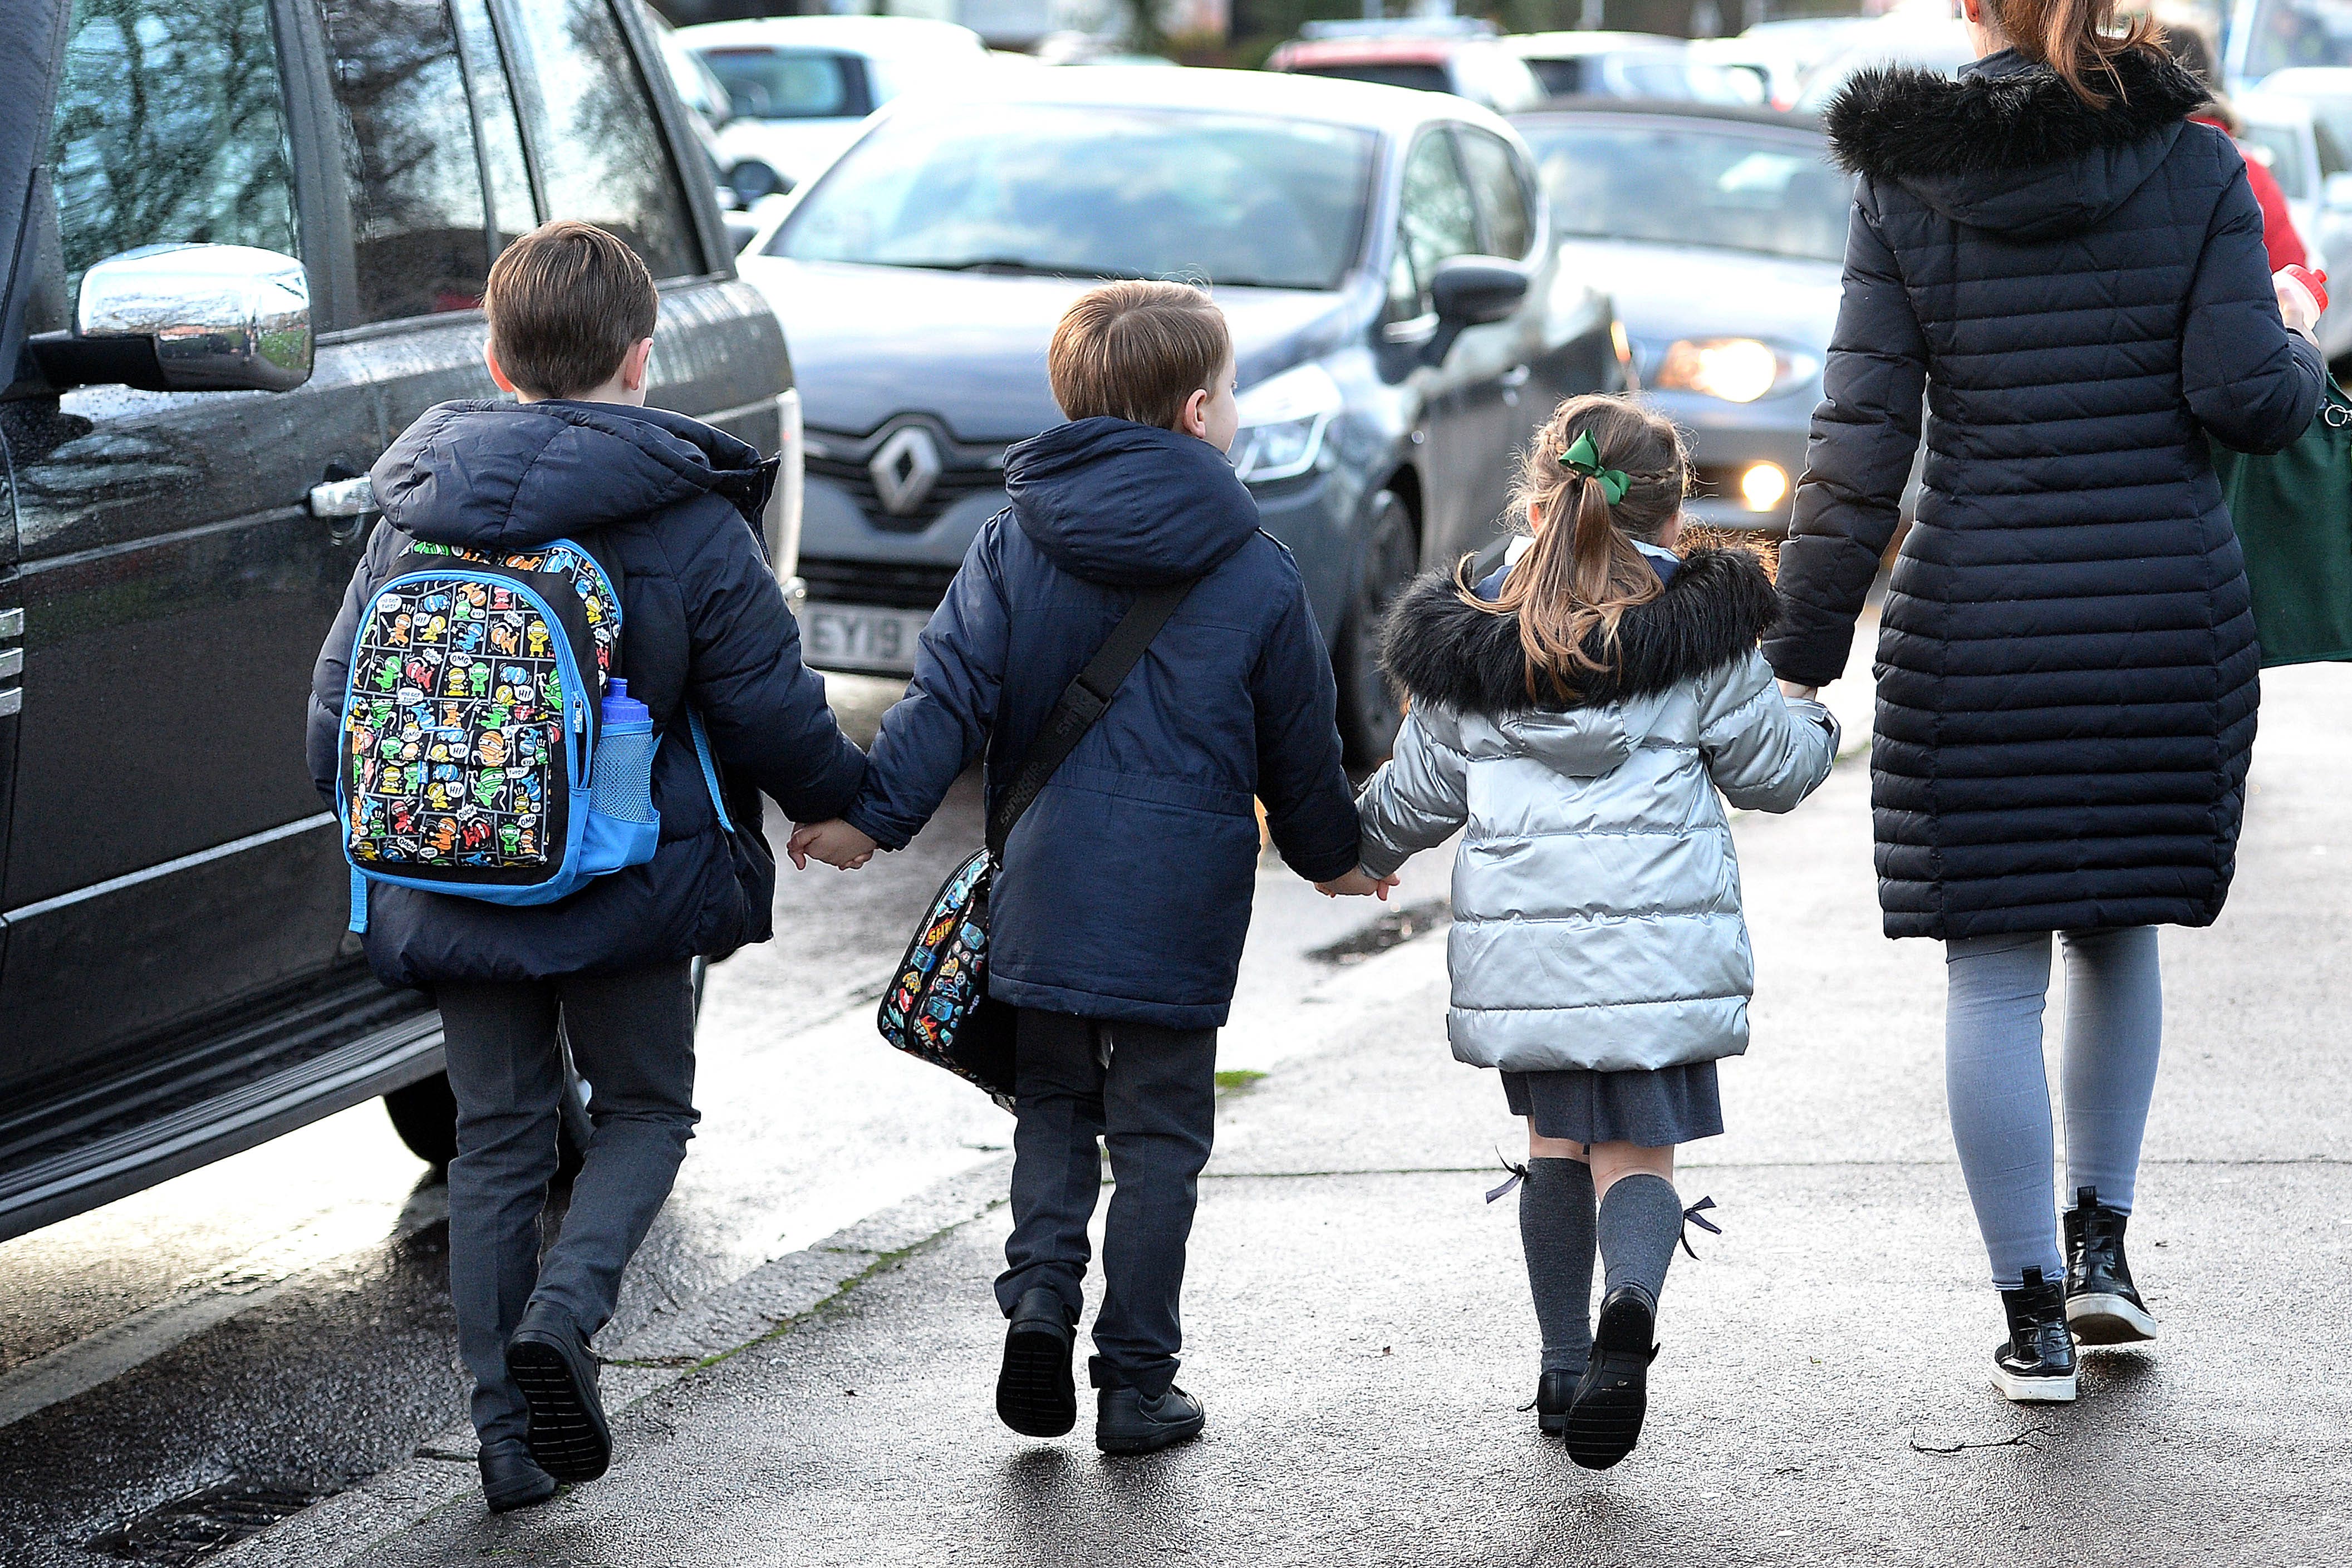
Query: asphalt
[[1358, 1323]]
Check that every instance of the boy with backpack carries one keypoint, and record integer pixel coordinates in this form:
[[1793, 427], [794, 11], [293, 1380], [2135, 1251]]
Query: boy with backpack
[[1118, 914], [561, 670]]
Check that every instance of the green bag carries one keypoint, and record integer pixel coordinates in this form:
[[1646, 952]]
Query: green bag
[[2294, 517]]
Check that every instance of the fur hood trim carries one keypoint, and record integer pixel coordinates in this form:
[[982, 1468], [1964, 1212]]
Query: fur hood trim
[[1902, 122], [1461, 657]]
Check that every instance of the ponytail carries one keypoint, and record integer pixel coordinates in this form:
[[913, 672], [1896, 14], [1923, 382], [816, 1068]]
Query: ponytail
[[1573, 585], [2076, 38]]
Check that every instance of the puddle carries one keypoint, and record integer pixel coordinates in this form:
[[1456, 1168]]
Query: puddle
[[1393, 929]]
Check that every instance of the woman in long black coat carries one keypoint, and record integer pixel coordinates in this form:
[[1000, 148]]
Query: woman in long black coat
[[2075, 277]]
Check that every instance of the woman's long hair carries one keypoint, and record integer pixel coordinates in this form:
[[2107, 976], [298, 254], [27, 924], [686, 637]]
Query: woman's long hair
[[1571, 589], [2077, 38]]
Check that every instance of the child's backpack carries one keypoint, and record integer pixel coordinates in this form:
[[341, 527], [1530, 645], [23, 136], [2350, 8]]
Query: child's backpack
[[489, 751]]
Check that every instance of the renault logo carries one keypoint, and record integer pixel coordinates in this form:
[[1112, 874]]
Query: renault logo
[[904, 468]]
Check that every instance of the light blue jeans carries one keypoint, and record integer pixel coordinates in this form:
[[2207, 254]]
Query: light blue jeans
[[2001, 1095]]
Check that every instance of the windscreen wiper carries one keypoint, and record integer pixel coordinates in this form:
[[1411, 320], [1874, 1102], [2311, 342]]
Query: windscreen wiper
[[1013, 263]]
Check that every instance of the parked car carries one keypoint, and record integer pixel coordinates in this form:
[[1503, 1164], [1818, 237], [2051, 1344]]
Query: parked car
[[2289, 133], [1399, 325], [1485, 70], [1782, 53], [253, 254], [1933, 42], [1630, 65], [1720, 234], [801, 85]]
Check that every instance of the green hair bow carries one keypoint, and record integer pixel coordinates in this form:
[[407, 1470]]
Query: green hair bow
[[1583, 457]]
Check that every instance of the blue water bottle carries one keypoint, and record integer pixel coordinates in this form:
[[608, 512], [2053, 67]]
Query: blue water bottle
[[621, 777]]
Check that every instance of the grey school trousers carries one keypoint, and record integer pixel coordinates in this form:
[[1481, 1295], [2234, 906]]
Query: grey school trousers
[[1150, 1093], [632, 1040]]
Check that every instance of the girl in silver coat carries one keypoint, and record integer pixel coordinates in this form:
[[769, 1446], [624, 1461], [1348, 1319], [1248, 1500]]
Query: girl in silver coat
[[1579, 717]]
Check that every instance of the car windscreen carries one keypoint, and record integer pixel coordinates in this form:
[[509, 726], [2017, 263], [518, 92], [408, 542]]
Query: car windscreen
[[786, 84], [1080, 191], [1682, 183], [1420, 74]]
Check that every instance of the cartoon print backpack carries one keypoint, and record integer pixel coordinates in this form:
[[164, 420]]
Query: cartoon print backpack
[[489, 751]]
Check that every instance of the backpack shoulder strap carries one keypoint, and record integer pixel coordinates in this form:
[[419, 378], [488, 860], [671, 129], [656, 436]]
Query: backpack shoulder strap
[[1082, 702]]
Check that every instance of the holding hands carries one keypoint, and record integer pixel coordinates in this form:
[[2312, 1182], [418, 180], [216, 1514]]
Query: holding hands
[[1357, 883], [835, 843]]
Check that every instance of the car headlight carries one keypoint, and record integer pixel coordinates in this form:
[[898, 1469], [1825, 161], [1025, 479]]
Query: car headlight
[[1737, 370], [1283, 421]]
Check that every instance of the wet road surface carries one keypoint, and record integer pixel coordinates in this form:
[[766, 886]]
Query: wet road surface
[[279, 1321]]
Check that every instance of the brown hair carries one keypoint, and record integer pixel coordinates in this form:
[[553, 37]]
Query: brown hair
[[1583, 573], [1137, 350], [566, 302], [2076, 38]]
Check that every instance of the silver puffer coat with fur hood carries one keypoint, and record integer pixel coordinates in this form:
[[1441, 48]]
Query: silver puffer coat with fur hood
[[1596, 894]]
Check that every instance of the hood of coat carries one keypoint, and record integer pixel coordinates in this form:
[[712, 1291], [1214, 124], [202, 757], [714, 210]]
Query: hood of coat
[[1456, 655], [1127, 504], [2009, 146], [505, 476]]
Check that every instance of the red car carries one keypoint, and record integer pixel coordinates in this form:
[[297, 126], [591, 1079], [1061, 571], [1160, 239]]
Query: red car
[[1482, 69]]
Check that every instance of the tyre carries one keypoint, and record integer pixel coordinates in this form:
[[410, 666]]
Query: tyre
[[1371, 709]]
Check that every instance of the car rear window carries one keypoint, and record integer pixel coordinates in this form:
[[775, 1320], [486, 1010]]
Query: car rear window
[[1085, 191], [789, 84], [1682, 183], [1387, 73]]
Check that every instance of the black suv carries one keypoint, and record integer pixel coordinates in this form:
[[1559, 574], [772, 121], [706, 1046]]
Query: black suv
[[245, 245]]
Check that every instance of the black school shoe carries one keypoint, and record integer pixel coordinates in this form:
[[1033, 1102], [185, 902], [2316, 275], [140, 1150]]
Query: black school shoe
[[1605, 1421], [548, 1360], [1035, 1395], [2102, 1306], [1130, 1421], [511, 1478], [1555, 1392], [2036, 1364]]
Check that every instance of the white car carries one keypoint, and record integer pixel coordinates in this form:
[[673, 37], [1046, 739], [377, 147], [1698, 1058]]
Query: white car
[[802, 87], [1931, 42], [2302, 154], [1629, 65]]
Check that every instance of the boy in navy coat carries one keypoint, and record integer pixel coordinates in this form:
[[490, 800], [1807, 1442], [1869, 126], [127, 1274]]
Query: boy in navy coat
[[1118, 918]]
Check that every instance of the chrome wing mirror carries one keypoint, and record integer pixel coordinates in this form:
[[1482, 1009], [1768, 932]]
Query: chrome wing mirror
[[187, 317]]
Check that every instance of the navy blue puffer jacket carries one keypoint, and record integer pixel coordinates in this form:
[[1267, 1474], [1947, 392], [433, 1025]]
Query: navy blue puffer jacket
[[669, 506], [1125, 892], [2066, 667]]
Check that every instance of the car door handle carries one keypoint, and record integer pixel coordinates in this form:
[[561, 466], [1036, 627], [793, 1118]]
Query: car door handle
[[343, 498]]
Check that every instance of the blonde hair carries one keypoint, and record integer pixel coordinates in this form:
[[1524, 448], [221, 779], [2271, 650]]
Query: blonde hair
[[1573, 587], [1136, 349]]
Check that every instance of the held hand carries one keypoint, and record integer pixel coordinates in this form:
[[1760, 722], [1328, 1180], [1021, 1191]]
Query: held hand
[[2296, 306], [835, 843], [1357, 883], [1792, 689]]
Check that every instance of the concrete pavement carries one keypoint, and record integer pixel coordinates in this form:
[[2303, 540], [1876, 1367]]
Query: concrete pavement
[[1359, 1329]]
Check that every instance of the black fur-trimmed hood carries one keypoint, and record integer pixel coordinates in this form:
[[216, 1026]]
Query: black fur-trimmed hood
[[2009, 146], [1461, 657]]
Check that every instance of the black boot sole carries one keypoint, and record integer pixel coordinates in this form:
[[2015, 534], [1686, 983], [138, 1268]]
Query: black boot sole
[[1605, 1422], [1035, 1393], [568, 1438]]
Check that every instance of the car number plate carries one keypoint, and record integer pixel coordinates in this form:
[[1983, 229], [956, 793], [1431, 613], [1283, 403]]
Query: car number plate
[[858, 637]]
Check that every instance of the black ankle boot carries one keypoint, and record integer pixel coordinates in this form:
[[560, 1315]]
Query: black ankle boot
[[510, 1478], [2102, 1306], [1555, 1392], [2037, 1362]]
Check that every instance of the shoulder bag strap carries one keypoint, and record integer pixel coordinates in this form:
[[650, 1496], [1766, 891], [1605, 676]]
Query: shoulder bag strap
[[1081, 704]]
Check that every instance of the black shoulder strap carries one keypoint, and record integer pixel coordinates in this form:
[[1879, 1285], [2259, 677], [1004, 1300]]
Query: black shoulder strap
[[1081, 703]]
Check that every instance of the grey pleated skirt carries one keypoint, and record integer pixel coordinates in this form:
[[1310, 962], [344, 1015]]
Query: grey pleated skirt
[[1652, 1109]]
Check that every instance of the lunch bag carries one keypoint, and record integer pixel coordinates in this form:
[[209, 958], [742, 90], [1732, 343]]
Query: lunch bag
[[2293, 511], [938, 1007], [489, 751]]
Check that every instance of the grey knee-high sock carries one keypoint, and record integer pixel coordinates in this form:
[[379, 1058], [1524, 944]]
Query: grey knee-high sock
[[1556, 1229], [1640, 1220]]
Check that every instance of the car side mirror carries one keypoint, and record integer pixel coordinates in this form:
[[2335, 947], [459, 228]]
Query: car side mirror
[[187, 317], [1471, 291]]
